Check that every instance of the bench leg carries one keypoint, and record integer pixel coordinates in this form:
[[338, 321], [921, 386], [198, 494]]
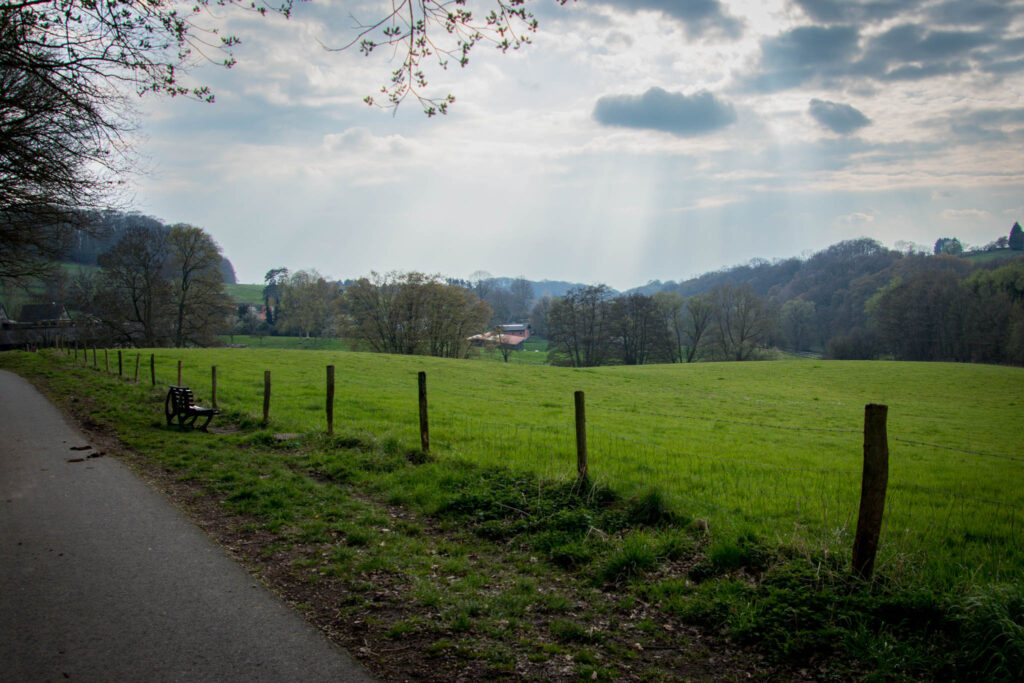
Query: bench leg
[[209, 417]]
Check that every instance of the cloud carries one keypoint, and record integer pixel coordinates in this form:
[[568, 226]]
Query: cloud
[[965, 214], [657, 109], [805, 53], [853, 11], [972, 13], [362, 140], [998, 126], [839, 118], [917, 43], [699, 16], [856, 218]]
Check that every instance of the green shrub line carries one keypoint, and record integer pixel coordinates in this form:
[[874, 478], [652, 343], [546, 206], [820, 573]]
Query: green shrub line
[[794, 602]]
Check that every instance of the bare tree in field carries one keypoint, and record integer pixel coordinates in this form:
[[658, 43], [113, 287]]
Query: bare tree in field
[[740, 324], [578, 325], [637, 328], [135, 286], [699, 314], [198, 296]]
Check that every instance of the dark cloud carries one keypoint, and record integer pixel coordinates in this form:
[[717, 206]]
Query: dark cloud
[[1001, 68], [676, 113], [805, 53], [994, 13], [986, 125], [837, 117], [699, 16], [963, 38], [853, 11], [912, 52], [913, 43]]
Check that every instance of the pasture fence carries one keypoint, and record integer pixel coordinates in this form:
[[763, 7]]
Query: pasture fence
[[715, 477]]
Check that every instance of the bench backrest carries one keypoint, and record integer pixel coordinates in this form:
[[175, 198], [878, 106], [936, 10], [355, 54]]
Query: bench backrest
[[182, 398]]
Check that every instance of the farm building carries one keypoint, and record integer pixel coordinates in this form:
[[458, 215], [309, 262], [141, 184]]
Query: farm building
[[523, 330], [510, 336]]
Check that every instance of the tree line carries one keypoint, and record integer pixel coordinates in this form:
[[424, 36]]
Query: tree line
[[590, 326], [854, 300], [858, 300], [403, 313], [156, 287]]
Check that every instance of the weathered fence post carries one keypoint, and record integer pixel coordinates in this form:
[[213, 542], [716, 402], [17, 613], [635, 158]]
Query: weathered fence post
[[581, 439], [152, 368], [106, 360], [138, 359], [95, 365], [330, 400], [266, 397], [120, 364], [179, 373], [872, 492], [213, 386], [424, 424]]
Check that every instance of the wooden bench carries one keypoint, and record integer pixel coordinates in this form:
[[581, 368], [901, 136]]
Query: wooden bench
[[181, 406]]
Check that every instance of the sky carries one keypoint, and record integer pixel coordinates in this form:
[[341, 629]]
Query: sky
[[633, 140]]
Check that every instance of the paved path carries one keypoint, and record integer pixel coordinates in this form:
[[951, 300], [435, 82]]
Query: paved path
[[102, 579]]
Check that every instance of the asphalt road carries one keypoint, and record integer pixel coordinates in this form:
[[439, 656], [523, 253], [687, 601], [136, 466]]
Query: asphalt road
[[102, 579]]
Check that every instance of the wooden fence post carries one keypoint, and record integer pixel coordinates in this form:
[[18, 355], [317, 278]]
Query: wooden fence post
[[872, 492], [120, 364], [179, 373], [152, 368], [266, 397], [424, 424], [95, 365], [138, 358], [213, 386], [330, 400], [581, 439], [106, 360]]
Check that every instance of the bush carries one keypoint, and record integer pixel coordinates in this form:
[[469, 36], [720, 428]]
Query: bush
[[857, 344]]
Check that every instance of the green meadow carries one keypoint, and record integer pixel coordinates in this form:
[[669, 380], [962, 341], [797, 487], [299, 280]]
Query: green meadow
[[772, 449]]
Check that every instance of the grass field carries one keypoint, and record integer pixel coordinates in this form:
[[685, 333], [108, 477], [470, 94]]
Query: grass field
[[726, 497], [988, 256], [245, 294], [534, 350], [768, 448], [281, 343]]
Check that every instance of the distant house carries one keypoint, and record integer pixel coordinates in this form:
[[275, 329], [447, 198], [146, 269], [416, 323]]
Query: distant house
[[511, 336], [44, 314], [523, 330]]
